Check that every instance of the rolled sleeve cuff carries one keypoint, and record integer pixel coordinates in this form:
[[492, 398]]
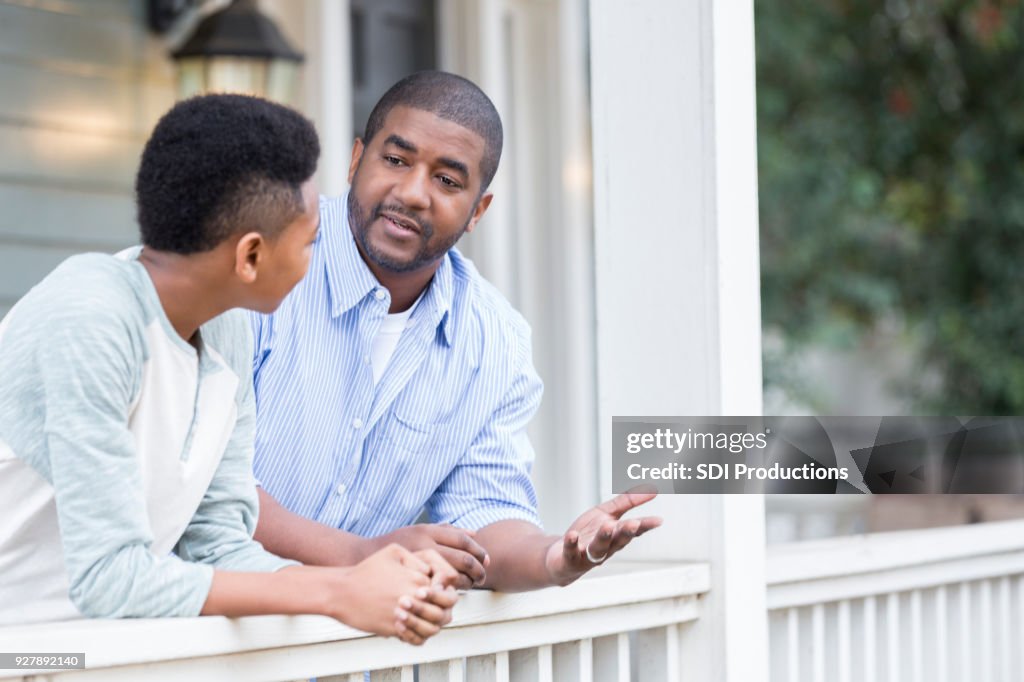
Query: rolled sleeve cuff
[[253, 558], [484, 516]]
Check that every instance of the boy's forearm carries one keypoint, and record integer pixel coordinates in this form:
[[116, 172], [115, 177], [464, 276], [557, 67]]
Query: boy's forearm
[[292, 590], [291, 536]]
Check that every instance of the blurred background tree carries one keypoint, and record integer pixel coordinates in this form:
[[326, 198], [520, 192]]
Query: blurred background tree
[[891, 159]]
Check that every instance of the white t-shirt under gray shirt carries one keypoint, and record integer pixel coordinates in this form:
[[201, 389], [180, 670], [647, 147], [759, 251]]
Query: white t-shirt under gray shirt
[[125, 452]]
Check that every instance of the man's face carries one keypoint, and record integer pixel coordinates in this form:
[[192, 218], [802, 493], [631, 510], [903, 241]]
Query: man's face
[[415, 189]]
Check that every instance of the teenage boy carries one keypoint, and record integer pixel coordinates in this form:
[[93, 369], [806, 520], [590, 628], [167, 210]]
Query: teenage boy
[[127, 409]]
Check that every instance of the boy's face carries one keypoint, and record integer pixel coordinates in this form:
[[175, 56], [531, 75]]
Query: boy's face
[[286, 258]]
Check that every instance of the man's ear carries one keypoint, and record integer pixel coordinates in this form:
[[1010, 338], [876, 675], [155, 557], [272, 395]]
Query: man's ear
[[478, 212], [249, 254], [357, 156]]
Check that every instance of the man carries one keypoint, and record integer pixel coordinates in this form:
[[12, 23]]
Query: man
[[394, 377], [126, 415]]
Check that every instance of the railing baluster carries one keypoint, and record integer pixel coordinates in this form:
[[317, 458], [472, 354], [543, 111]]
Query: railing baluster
[[870, 639], [793, 643], [985, 633], [843, 634], [443, 671], [941, 655], [531, 665], [574, 661], [818, 640], [916, 638], [1020, 620], [611, 658], [1006, 624], [965, 652], [657, 653], [403, 674], [493, 668], [347, 677], [892, 622]]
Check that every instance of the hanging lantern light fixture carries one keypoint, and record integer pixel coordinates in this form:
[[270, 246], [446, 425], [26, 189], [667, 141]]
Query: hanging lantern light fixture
[[236, 49]]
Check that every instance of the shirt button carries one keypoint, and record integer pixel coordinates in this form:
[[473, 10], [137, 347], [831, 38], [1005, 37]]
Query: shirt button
[[341, 488], [379, 294], [366, 359], [357, 423]]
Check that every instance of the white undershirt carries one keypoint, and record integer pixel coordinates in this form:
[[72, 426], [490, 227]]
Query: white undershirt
[[386, 340]]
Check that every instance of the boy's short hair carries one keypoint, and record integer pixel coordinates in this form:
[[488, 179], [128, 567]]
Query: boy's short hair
[[217, 165]]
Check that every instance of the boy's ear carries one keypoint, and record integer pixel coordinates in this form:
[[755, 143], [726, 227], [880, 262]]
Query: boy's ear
[[357, 155], [249, 254]]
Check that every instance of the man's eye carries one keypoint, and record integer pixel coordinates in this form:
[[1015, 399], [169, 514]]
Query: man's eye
[[392, 160], [449, 182]]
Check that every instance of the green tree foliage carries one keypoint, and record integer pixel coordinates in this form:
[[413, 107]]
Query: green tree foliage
[[891, 155]]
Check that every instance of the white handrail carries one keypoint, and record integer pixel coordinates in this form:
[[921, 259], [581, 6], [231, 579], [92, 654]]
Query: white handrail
[[616, 598]]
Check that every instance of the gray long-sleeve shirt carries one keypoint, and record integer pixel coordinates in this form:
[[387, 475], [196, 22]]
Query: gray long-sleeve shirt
[[125, 452]]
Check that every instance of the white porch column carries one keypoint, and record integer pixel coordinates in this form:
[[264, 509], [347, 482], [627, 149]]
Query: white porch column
[[328, 49], [678, 309]]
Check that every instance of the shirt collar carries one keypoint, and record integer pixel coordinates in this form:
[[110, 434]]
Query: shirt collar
[[350, 280]]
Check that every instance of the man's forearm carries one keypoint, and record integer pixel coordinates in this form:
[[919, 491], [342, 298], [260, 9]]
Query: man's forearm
[[519, 552], [291, 536]]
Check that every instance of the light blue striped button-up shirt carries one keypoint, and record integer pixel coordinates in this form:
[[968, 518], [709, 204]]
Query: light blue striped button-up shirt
[[445, 427]]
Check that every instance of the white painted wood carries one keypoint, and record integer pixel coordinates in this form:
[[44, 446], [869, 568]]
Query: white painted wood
[[883, 551], [351, 677], [329, 95], [657, 654], [844, 641], [522, 665], [572, 661], [363, 653], [445, 671], [986, 616], [870, 639], [1005, 629], [491, 668], [661, 335], [941, 643], [611, 658], [861, 584], [916, 638], [966, 626], [1019, 621], [793, 658], [818, 643], [893, 649], [402, 674]]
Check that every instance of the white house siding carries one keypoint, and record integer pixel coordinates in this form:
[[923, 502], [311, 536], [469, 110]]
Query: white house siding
[[82, 85]]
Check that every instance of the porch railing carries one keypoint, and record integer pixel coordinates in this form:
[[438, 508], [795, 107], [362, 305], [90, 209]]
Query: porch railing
[[622, 622], [942, 605]]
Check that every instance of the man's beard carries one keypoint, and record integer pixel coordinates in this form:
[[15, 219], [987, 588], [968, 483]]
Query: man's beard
[[360, 221]]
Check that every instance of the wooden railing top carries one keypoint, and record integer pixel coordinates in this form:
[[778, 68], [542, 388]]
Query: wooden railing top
[[109, 643], [844, 556]]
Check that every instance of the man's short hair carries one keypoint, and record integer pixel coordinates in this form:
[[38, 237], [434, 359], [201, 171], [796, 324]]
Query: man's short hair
[[452, 98], [217, 165]]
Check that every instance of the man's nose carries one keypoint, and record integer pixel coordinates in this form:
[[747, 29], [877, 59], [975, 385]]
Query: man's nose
[[413, 188]]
